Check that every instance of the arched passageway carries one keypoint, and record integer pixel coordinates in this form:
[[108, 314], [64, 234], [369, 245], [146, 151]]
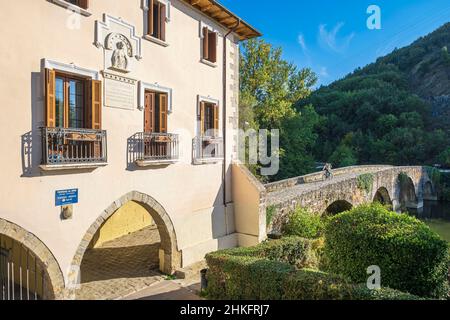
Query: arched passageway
[[28, 270], [126, 248], [382, 196], [338, 207]]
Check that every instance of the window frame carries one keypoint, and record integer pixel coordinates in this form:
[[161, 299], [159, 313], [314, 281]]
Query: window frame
[[165, 20], [206, 60], [66, 77], [73, 7], [200, 123], [157, 114], [75, 72]]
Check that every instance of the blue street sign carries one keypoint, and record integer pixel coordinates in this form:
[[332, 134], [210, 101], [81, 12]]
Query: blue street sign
[[66, 197]]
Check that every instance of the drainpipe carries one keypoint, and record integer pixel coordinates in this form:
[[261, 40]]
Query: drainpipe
[[224, 120]]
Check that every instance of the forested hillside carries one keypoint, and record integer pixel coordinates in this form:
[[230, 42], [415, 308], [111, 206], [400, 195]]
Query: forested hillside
[[394, 111]]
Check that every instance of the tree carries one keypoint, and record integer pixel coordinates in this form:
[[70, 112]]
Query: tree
[[343, 156], [269, 88], [444, 158]]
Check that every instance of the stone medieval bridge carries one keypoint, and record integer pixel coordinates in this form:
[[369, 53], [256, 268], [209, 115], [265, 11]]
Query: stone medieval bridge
[[344, 191]]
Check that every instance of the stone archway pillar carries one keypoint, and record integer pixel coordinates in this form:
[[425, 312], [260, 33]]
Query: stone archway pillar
[[54, 287], [169, 255]]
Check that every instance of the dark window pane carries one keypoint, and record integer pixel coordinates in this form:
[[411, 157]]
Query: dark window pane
[[76, 104], [59, 97]]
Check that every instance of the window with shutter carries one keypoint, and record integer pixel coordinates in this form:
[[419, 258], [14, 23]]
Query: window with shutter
[[156, 19], [210, 39], [155, 112], [50, 83], [209, 119], [72, 102]]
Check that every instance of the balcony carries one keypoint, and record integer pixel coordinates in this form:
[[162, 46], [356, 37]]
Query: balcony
[[155, 149], [64, 149], [207, 149]]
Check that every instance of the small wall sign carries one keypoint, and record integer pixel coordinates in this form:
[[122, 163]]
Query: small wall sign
[[66, 197]]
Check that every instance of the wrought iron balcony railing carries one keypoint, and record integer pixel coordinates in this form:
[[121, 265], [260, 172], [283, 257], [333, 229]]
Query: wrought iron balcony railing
[[66, 146], [157, 147], [207, 149]]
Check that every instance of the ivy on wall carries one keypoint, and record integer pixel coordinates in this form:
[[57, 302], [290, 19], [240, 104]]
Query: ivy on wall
[[403, 178], [434, 174], [365, 182], [270, 213]]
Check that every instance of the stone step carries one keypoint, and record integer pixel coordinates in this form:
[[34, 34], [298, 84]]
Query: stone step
[[192, 271]]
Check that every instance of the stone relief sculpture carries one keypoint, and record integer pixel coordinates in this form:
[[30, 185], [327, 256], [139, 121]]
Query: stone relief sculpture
[[122, 51], [119, 58]]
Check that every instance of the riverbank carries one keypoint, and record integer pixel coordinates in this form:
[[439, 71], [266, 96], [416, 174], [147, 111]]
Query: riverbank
[[436, 214]]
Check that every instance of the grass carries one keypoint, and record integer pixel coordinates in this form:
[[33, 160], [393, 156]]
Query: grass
[[442, 227]]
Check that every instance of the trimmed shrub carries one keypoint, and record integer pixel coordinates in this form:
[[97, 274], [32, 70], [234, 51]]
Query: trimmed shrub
[[411, 256], [245, 278], [316, 285], [361, 292], [303, 223], [255, 274], [296, 251]]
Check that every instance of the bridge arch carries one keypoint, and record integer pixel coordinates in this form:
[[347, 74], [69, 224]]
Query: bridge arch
[[429, 191], [382, 196], [19, 245], [338, 206], [169, 256], [407, 196]]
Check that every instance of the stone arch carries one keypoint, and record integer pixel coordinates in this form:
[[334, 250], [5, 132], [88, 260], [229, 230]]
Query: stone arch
[[407, 196], [338, 206], [54, 284], [429, 191], [382, 196], [170, 257]]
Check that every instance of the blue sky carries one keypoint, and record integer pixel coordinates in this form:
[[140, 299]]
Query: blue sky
[[331, 36]]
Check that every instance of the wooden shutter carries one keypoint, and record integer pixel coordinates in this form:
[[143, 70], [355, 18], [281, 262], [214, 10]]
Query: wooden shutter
[[150, 17], [163, 113], [202, 118], [50, 98], [162, 22], [205, 43], [96, 105], [83, 4], [149, 113], [216, 119], [212, 50]]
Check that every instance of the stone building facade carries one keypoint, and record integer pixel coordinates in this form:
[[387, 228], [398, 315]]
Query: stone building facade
[[112, 101]]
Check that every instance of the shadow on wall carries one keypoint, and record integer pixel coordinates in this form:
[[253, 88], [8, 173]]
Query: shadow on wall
[[134, 152], [31, 144], [31, 141]]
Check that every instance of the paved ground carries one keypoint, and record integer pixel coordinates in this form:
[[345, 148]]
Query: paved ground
[[121, 267], [168, 290]]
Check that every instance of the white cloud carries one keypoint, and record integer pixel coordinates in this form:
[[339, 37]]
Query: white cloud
[[302, 42], [324, 72], [330, 39]]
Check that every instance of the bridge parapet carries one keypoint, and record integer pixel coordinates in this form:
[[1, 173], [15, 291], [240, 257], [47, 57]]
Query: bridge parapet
[[318, 176]]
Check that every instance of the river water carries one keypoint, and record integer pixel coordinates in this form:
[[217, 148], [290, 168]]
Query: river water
[[436, 214]]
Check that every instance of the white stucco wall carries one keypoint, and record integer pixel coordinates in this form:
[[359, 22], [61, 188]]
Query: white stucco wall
[[191, 194]]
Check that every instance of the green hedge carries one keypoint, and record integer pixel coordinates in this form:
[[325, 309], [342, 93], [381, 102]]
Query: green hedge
[[303, 223], [411, 256], [360, 292], [316, 285], [296, 251], [268, 272], [245, 278]]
